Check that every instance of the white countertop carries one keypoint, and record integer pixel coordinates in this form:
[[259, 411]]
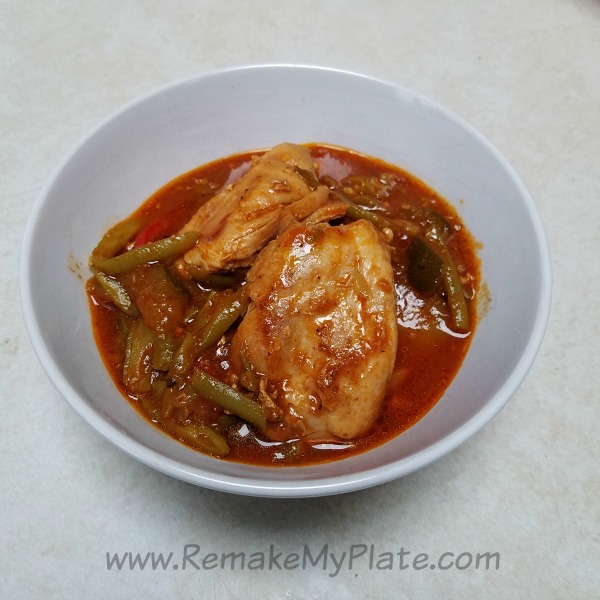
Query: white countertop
[[527, 74]]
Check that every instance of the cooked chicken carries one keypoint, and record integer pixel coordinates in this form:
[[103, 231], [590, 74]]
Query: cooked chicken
[[321, 328], [239, 221]]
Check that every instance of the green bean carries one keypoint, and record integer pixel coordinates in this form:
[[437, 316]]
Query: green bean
[[213, 279], [356, 212], [429, 218], [184, 358], [454, 288], [153, 251], [330, 182], [291, 451], [406, 227], [191, 313], [230, 399], [122, 331], [159, 387], [366, 200], [203, 437], [166, 404], [151, 402], [401, 226], [309, 178], [137, 374], [188, 351], [246, 362], [216, 316], [116, 238], [249, 380], [361, 185], [226, 311], [225, 421], [116, 292], [163, 351]]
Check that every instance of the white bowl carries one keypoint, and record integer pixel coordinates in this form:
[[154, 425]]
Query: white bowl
[[148, 142]]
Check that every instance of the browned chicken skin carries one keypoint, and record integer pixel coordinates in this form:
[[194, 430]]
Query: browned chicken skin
[[321, 328]]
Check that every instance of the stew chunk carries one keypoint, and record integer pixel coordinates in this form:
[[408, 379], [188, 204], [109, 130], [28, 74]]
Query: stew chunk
[[280, 187], [321, 330]]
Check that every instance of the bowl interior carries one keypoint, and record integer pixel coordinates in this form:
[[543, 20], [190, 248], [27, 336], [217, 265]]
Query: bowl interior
[[151, 141]]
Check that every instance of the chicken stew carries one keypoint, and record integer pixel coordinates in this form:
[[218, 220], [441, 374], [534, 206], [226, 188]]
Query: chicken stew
[[286, 307]]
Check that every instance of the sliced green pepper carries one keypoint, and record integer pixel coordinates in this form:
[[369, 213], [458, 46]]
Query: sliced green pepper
[[425, 267]]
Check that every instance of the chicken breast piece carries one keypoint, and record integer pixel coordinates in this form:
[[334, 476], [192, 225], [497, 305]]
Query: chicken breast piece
[[321, 329], [241, 219]]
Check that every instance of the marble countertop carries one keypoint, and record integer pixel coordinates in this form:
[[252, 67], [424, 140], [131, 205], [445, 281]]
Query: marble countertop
[[525, 489]]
